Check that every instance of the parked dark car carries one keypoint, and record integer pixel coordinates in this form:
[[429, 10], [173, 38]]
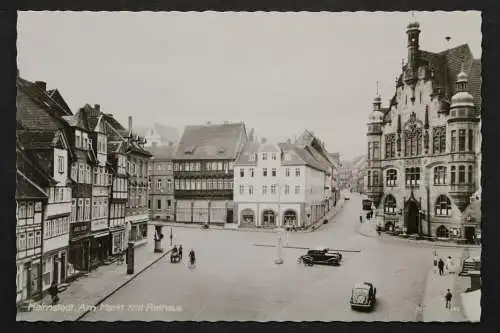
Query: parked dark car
[[363, 296], [321, 256]]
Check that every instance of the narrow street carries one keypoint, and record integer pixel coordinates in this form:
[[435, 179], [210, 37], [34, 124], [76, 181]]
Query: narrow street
[[236, 280]]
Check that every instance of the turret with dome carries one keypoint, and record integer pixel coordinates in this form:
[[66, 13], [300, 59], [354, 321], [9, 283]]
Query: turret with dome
[[422, 161]]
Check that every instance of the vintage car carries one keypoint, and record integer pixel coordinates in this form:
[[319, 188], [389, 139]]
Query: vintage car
[[363, 296], [321, 256]]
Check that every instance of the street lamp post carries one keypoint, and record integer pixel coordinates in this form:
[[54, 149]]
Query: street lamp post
[[280, 233]]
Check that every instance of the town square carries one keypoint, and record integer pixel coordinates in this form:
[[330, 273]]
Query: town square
[[249, 167]]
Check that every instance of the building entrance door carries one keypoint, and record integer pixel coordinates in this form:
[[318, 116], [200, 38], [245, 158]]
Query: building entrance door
[[412, 217], [469, 234], [229, 216]]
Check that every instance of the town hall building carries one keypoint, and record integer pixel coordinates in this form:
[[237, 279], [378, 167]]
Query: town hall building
[[423, 162]]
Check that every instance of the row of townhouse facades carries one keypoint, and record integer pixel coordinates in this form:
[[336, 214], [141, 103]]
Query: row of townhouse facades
[[203, 179], [81, 189]]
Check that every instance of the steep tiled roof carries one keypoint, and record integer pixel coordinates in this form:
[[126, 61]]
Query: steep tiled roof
[[78, 120], [57, 97], [27, 189], [447, 64], [42, 98], [30, 168], [162, 152], [211, 141], [34, 115], [249, 149], [304, 156], [37, 139]]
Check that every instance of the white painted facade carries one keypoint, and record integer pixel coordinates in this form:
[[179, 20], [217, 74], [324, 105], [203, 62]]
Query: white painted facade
[[288, 191]]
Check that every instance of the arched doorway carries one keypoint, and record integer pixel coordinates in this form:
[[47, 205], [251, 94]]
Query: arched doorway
[[290, 218], [247, 217], [268, 218], [442, 232], [412, 220]]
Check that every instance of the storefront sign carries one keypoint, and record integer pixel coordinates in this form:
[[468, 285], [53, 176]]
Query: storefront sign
[[79, 228]]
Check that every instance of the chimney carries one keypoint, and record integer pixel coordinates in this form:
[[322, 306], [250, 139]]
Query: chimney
[[97, 107], [130, 124], [288, 141], [170, 144], [109, 115], [42, 85], [208, 122], [226, 122], [263, 140]]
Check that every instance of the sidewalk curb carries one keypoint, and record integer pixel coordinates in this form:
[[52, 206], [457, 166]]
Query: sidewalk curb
[[421, 242], [124, 284]]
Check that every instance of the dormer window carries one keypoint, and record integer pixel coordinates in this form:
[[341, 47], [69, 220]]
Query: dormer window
[[273, 156], [251, 157], [264, 156], [221, 150], [287, 157]]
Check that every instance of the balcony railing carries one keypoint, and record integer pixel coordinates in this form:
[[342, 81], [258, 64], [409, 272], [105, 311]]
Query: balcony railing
[[226, 193], [204, 174]]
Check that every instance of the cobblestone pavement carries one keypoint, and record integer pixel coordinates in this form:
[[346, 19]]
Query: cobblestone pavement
[[236, 280], [87, 291]]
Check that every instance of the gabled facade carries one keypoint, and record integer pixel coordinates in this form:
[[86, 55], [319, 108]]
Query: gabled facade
[[41, 133], [81, 166], [31, 199], [50, 150], [117, 159], [137, 211], [159, 135], [279, 185], [422, 162], [161, 183], [203, 172], [101, 183]]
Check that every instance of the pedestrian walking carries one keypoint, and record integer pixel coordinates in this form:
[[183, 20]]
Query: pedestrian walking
[[448, 297], [53, 290], [448, 265], [441, 266], [435, 262], [180, 251], [360, 218]]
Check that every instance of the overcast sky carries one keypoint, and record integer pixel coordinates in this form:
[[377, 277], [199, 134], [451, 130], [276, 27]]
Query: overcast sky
[[278, 72]]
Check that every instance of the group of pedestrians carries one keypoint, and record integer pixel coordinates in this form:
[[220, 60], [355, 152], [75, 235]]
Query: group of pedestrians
[[444, 268], [178, 251]]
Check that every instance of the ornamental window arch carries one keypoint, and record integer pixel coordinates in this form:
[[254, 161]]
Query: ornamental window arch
[[442, 206], [390, 204], [413, 136]]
